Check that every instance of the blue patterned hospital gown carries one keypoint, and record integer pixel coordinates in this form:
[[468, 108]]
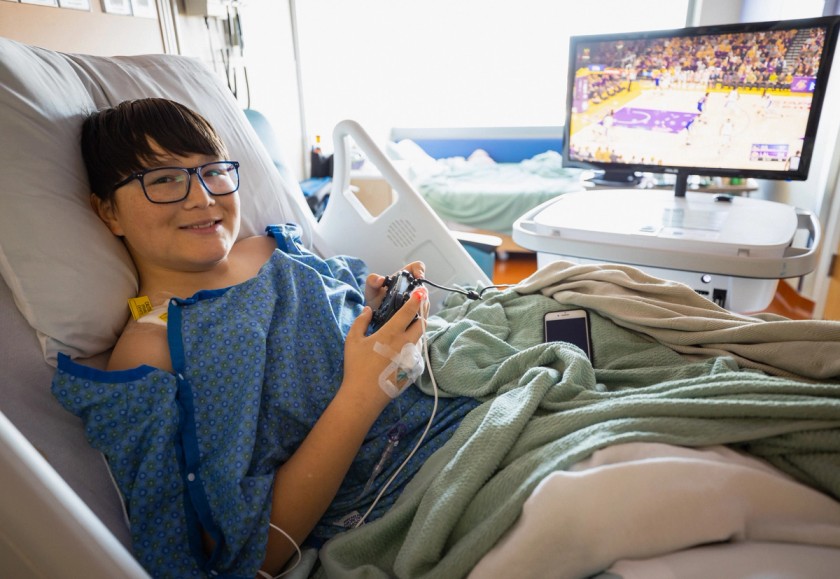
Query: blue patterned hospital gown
[[255, 366]]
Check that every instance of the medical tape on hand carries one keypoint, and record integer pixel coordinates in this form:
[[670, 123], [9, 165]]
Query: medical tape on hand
[[406, 366]]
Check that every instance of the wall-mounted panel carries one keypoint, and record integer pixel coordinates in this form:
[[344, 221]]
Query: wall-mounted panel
[[83, 31]]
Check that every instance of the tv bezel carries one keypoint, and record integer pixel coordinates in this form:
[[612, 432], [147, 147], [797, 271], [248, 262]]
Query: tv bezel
[[830, 23]]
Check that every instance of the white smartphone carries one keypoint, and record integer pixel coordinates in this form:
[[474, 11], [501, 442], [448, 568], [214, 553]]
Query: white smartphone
[[569, 326]]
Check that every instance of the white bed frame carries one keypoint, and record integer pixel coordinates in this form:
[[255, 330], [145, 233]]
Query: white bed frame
[[407, 230]]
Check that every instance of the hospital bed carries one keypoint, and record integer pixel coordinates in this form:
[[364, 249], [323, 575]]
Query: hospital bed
[[67, 279], [484, 177]]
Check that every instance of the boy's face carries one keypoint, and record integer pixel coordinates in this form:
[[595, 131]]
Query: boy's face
[[191, 235]]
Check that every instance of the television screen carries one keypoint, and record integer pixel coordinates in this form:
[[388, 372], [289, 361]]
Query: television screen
[[738, 100]]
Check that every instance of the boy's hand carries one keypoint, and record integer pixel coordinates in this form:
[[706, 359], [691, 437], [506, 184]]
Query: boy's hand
[[363, 365], [374, 290]]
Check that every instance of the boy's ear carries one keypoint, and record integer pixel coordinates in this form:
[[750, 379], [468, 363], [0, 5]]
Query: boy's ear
[[104, 208]]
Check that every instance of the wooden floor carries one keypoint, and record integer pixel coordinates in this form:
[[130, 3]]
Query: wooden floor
[[789, 303], [514, 267]]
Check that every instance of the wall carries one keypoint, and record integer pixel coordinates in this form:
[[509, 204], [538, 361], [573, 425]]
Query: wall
[[82, 31], [96, 32], [711, 12]]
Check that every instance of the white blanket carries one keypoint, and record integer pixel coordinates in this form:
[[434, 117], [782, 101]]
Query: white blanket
[[646, 500], [736, 560]]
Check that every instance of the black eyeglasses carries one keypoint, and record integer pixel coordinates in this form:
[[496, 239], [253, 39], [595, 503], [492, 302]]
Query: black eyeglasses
[[172, 184]]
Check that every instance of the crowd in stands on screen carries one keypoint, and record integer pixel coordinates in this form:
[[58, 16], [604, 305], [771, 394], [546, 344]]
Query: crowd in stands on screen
[[607, 154], [761, 61]]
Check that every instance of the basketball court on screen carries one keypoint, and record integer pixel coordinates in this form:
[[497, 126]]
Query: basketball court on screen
[[649, 124]]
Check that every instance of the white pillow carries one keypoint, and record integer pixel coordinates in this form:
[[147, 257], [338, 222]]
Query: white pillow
[[69, 275], [421, 165]]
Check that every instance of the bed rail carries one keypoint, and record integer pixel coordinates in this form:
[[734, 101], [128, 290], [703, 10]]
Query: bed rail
[[406, 230], [38, 507]]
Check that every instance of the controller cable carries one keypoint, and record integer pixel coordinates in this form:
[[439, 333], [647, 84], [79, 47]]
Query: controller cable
[[471, 294], [424, 340]]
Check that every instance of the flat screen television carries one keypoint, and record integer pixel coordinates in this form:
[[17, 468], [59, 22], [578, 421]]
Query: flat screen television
[[740, 100]]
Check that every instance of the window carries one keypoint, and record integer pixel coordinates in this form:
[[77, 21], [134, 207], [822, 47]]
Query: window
[[439, 63]]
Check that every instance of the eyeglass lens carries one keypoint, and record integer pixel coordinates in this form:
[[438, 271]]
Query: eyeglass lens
[[173, 184]]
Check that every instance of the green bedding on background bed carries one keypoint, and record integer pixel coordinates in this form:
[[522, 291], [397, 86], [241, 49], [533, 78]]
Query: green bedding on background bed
[[480, 193]]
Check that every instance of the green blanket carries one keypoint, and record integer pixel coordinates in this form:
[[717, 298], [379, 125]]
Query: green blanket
[[492, 196], [547, 408]]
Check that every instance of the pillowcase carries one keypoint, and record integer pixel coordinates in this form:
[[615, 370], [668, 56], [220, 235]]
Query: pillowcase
[[70, 277]]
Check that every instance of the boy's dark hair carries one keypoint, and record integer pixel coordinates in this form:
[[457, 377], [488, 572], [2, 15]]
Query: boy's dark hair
[[116, 140]]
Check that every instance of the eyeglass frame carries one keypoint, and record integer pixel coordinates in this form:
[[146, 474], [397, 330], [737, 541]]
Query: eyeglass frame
[[190, 171]]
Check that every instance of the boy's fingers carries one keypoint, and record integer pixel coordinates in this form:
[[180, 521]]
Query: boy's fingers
[[360, 325], [413, 306]]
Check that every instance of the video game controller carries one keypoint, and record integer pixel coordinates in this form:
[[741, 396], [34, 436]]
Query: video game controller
[[400, 285]]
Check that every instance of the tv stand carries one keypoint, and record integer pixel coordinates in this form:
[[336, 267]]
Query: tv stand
[[679, 189], [681, 185], [617, 179]]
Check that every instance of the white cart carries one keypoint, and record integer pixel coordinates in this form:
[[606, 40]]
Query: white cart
[[731, 249]]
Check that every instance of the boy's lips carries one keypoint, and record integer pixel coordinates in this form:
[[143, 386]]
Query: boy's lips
[[202, 225]]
